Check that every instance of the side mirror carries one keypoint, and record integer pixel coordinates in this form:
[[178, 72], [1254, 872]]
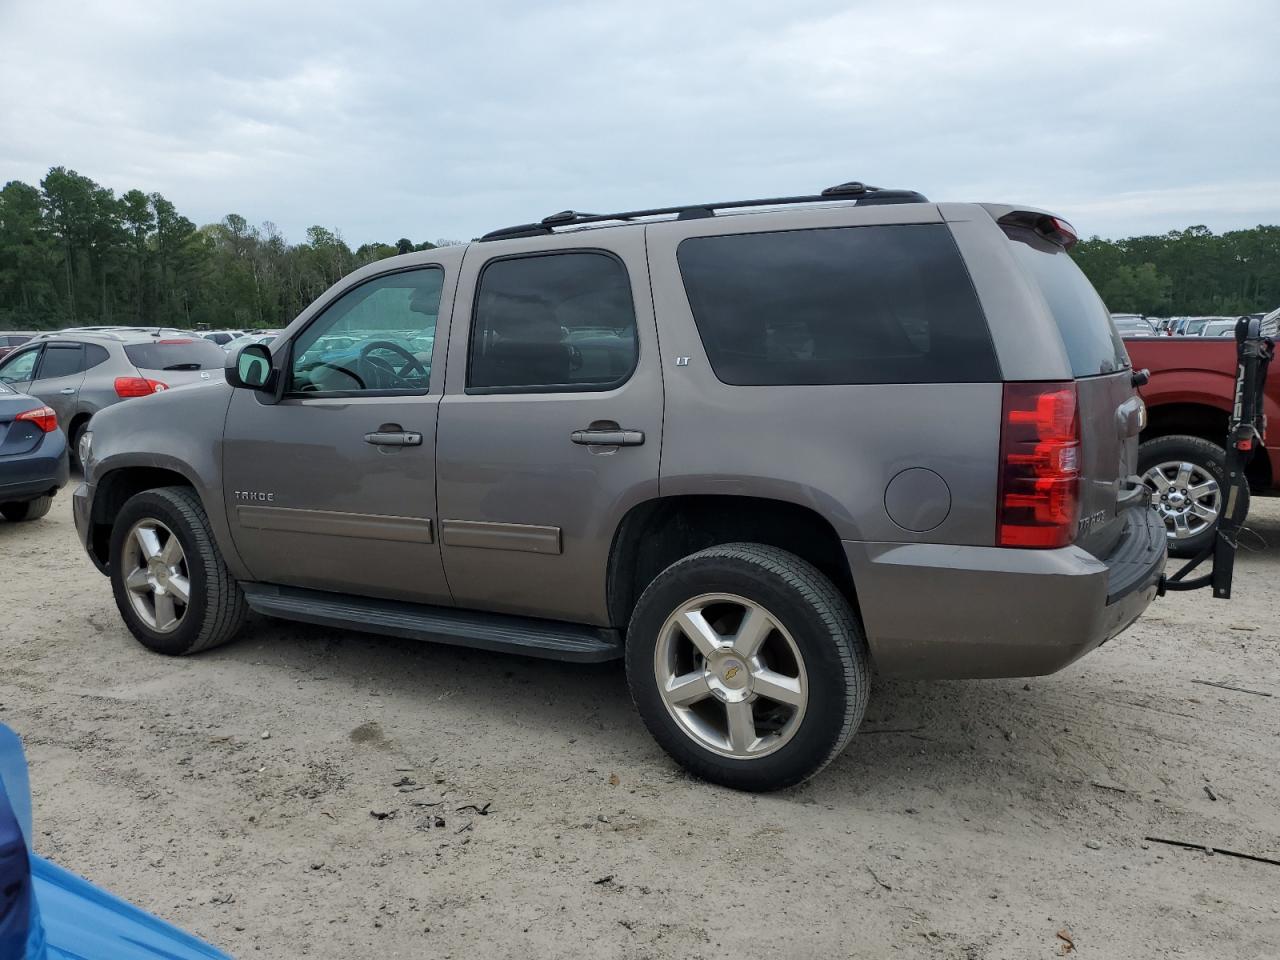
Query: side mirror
[[250, 368]]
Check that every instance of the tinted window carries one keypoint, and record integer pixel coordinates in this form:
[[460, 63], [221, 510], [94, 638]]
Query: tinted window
[[377, 336], [1093, 345], [176, 353], [18, 367], [94, 355], [61, 360], [562, 321], [882, 304]]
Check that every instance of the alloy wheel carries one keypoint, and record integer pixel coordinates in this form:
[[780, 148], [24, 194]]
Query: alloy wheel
[[1187, 497], [156, 575], [731, 676]]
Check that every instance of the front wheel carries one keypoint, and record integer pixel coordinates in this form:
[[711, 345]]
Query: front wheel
[[170, 583], [748, 666]]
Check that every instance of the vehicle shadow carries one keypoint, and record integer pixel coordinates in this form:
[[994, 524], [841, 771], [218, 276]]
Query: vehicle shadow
[[916, 735]]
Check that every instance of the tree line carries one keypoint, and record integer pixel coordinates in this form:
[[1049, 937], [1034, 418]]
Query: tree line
[[73, 253], [1192, 272]]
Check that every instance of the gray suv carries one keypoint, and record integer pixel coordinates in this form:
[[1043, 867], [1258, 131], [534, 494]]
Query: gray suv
[[80, 371], [757, 449]]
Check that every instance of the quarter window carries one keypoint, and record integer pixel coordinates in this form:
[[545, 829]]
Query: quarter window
[[552, 322], [875, 304], [379, 336]]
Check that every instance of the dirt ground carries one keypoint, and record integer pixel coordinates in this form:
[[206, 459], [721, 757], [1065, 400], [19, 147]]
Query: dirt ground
[[307, 793]]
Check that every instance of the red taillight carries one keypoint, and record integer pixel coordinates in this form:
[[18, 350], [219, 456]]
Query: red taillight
[[175, 340], [42, 417], [138, 386], [1039, 465]]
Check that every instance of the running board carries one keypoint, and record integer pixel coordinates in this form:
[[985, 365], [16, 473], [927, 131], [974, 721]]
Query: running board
[[552, 639]]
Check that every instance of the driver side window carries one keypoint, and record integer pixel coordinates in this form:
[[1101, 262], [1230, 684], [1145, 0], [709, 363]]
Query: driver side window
[[379, 337], [19, 367]]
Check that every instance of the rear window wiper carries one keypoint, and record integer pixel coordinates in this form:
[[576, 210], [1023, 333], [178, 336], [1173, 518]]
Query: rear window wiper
[[184, 366]]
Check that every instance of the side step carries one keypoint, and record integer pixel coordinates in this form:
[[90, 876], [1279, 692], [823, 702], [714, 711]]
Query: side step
[[553, 639]]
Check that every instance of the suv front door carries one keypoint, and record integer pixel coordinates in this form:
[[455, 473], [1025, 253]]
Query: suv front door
[[555, 348], [333, 486], [58, 378]]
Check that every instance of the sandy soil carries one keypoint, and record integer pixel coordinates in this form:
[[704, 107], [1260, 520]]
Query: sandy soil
[[305, 793]]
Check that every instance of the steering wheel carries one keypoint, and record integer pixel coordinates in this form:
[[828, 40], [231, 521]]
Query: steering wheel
[[410, 361]]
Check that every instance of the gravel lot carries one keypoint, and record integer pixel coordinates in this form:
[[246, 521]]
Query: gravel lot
[[311, 793]]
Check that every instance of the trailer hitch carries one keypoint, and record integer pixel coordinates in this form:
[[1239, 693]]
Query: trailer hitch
[[1245, 432]]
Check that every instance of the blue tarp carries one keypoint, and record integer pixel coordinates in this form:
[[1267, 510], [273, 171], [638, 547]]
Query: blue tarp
[[48, 913]]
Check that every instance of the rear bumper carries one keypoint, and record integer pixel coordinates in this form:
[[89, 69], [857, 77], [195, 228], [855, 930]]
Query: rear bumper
[[941, 611], [31, 475]]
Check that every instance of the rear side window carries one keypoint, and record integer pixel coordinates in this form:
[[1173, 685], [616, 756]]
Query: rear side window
[[1093, 345], [552, 322], [61, 360], [176, 354], [878, 304]]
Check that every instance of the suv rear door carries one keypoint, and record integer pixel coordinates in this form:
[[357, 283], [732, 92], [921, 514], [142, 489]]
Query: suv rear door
[[554, 337]]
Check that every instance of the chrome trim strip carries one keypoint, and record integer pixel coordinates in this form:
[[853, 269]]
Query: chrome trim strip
[[523, 537], [331, 523]]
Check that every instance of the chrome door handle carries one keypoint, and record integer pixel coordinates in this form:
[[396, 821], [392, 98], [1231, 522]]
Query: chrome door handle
[[67, 390], [399, 438], [608, 438]]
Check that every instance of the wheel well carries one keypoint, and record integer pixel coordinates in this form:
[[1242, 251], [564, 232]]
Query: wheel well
[[1207, 423], [77, 420], [113, 491], [1192, 419], [657, 533]]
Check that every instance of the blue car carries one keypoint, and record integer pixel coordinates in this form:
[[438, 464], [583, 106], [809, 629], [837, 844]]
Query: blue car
[[33, 457], [48, 913]]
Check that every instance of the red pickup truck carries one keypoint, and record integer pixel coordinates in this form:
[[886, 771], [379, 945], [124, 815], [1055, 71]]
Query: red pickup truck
[[1181, 458]]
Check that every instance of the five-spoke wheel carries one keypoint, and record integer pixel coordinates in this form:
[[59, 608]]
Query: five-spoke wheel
[[747, 665], [731, 675], [156, 575]]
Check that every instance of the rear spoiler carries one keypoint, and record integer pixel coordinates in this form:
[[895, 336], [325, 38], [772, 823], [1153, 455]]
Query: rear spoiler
[[1048, 225]]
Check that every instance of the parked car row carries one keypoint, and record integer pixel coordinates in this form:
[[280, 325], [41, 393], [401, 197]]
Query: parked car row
[[1138, 325]]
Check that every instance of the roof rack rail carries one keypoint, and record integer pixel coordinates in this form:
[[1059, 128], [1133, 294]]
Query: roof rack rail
[[858, 192]]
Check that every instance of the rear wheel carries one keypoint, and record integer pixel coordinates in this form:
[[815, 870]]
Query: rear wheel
[[26, 510], [1187, 478], [73, 442], [748, 666], [170, 583]]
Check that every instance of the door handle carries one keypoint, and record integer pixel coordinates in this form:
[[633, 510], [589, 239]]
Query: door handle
[[394, 438], [67, 390], [608, 438]]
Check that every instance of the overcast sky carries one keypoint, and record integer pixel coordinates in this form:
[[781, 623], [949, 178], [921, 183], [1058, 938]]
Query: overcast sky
[[432, 120]]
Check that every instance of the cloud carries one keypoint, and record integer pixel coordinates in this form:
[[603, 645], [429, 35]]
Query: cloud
[[434, 120]]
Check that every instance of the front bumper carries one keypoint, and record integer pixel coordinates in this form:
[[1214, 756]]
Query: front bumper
[[945, 611], [81, 512]]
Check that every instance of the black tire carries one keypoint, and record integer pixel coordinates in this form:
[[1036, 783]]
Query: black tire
[[823, 627], [217, 607], [1204, 454], [73, 443], [26, 510]]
